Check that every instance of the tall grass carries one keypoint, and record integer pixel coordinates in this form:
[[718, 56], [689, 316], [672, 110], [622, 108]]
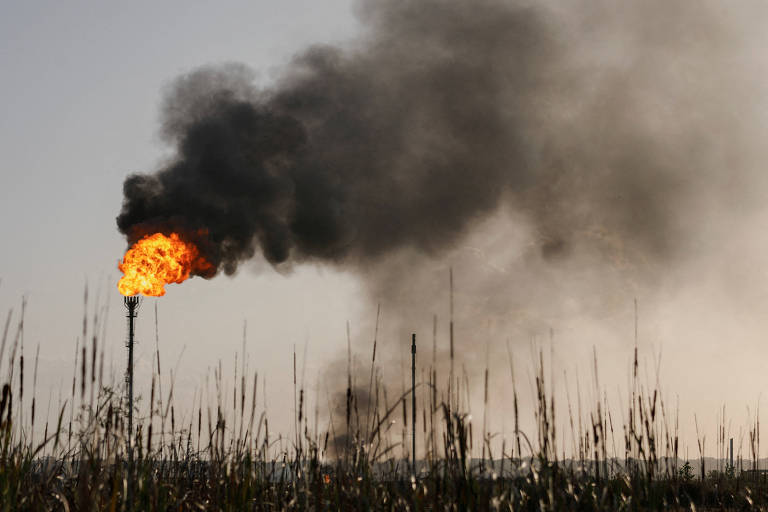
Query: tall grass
[[222, 456]]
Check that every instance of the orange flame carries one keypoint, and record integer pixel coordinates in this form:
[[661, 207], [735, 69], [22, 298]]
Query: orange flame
[[157, 260]]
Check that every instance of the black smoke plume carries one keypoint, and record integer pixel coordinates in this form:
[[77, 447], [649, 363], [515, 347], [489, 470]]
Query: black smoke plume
[[438, 114]]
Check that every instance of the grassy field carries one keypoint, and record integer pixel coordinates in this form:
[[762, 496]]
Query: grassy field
[[224, 456]]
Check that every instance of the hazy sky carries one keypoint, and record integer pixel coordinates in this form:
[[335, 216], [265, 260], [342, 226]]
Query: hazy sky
[[82, 85]]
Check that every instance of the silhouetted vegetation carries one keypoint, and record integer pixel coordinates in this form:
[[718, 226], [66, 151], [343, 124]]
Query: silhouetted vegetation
[[224, 457]]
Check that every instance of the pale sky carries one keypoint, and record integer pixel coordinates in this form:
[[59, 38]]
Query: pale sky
[[81, 85]]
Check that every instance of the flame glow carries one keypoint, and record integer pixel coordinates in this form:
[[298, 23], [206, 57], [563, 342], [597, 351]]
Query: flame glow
[[157, 260]]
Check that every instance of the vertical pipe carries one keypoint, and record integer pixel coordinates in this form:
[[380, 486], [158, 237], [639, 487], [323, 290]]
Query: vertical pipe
[[131, 303], [732, 468], [131, 317], [413, 403]]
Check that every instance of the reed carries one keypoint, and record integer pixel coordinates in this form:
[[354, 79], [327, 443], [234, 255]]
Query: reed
[[80, 463]]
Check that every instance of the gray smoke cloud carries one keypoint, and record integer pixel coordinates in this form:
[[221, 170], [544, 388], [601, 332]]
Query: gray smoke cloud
[[563, 158], [439, 114]]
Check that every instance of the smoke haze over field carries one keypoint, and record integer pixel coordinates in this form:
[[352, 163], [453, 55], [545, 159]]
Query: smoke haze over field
[[563, 158], [597, 124]]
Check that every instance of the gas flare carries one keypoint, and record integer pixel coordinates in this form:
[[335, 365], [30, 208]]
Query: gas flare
[[157, 260]]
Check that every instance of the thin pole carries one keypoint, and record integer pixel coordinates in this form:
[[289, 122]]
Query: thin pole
[[731, 457], [413, 402], [131, 303], [450, 379], [131, 317]]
